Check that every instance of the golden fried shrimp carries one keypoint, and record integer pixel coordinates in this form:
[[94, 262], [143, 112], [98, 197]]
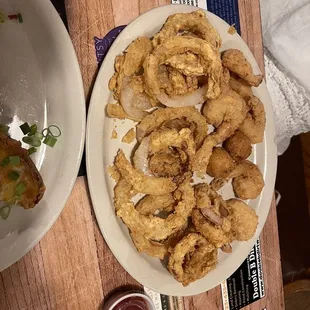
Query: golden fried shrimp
[[192, 258], [220, 164], [140, 182], [201, 158], [238, 146], [241, 87], [195, 22], [235, 61], [243, 219], [160, 116], [254, 124], [156, 228], [218, 235], [228, 108], [210, 59], [248, 183], [149, 204]]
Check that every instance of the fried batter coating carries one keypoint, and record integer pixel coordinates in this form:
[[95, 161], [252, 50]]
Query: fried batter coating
[[187, 64], [201, 158], [209, 58], [195, 22], [249, 182], [238, 146], [243, 218], [149, 204], [117, 111], [192, 258], [163, 139], [221, 163], [228, 108], [123, 192], [130, 63], [166, 164], [159, 116], [254, 124], [180, 84], [215, 234], [142, 244], [129, 136], [241, 87], [235, 61], [155, 228], [212, 206], [140, 182]]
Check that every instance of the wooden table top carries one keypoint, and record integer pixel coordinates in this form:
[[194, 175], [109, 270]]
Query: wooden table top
[[72, 267]]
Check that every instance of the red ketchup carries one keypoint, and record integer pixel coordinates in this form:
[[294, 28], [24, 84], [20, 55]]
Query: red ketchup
[[132, 303]]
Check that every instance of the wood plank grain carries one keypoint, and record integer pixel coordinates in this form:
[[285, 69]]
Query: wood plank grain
[[62, 271], [251, 29]]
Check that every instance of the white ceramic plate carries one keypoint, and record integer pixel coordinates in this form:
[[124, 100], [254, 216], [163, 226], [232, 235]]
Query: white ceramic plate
[[101, 151], [40, 82]]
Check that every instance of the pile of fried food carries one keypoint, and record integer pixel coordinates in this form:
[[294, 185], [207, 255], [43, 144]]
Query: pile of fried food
[[175, 85]]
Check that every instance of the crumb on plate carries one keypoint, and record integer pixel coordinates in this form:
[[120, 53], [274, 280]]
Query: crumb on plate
[[129, 136]]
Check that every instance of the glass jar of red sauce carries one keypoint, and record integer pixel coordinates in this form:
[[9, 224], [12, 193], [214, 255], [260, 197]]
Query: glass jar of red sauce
[[129, 301]]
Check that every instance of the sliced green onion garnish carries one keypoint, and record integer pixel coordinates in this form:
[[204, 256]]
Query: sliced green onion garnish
[[4, 129], [5, 212], [50, 141], [20, 18], [5, 162], [31, 150], [25, 128], [33, 141], [20, 188], [33, 130], [39, 135], [14, 160], [45, 132], [54, 131], [13, 175]]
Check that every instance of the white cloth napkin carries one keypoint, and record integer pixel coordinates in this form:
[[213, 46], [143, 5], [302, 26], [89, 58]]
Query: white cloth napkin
[[286, 35]]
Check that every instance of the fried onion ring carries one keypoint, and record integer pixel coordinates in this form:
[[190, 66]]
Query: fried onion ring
[[176, 45], [159, 116], [192, 258], [150, 204], [155, 228], [140, 182], [218, 235], [195, 22]]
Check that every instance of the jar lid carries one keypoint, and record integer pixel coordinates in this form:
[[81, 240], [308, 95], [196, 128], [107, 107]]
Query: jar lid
[[129, 301]]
